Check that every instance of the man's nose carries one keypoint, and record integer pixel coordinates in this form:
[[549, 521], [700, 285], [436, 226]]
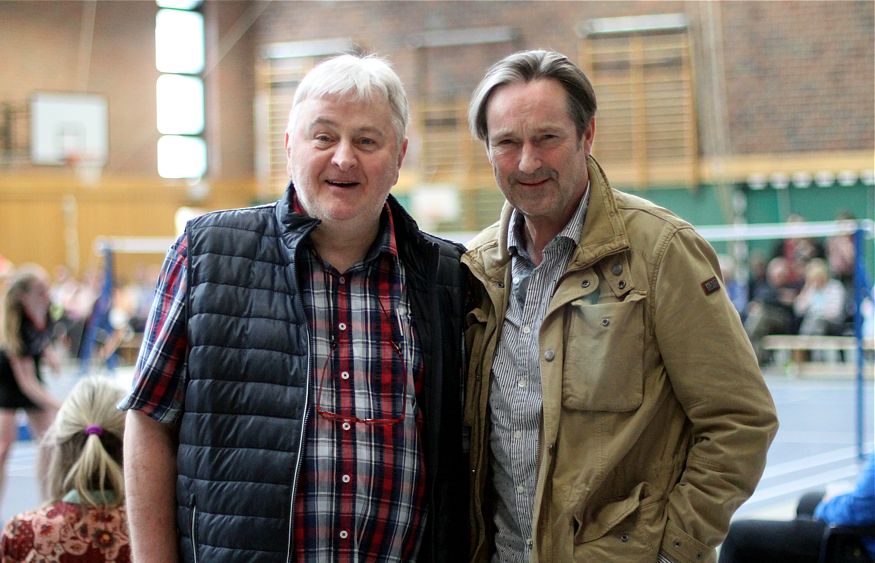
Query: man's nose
[[530, 161], [344, 156]]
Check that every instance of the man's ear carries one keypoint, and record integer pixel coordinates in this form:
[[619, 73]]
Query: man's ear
[[288, 148], [403, 152], [589, 137]]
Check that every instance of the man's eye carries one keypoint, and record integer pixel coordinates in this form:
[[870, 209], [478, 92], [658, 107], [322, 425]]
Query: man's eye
[[366, 141], [322, 138]]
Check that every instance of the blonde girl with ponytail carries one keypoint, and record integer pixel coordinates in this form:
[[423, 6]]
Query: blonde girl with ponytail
[[84, 520]]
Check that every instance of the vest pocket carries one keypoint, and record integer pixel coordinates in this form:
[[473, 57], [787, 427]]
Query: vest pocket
[[604, 359]]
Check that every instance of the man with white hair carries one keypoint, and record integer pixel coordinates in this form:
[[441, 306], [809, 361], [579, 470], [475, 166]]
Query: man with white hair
[[298, 395]]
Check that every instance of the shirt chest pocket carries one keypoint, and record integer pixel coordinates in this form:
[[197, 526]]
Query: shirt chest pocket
[[604, 357]]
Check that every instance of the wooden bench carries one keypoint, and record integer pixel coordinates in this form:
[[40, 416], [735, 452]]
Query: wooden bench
[[794, 346]]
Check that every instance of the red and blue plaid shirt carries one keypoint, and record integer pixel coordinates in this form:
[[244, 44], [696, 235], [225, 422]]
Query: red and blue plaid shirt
[[361, 489]]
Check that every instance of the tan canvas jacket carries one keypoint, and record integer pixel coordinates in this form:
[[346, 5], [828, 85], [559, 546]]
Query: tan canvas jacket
[[656, 419]]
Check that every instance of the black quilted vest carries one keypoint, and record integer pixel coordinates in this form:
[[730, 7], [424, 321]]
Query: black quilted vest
[[241, 432]]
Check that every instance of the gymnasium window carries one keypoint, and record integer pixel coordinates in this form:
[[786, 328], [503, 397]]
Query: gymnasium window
[[642, 73], [179, 56]]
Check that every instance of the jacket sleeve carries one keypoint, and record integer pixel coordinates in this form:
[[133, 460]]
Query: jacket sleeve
[[715, 377]]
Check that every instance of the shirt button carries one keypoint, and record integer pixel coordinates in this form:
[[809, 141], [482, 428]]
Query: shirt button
[[341, 279], [345, 479], [520, 489], [345, 426], [343, 534], [517, 434], [521, 383], [342, 326], [527, 329], [549, 355], [344, 375]]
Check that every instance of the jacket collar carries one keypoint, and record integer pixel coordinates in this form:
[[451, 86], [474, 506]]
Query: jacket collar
[[411, 245], [290, 220], [604, 232]]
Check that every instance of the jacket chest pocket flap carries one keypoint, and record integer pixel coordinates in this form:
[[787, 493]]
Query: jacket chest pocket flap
[[604, 355]]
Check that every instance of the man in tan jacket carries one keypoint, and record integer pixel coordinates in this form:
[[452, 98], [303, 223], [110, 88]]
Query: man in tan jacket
[[616, 407]]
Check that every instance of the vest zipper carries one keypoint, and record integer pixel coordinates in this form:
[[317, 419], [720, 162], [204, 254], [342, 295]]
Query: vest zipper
[[193, 529], [300, 448]]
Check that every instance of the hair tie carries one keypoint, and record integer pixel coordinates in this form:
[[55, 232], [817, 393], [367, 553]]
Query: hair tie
[[94, 429]]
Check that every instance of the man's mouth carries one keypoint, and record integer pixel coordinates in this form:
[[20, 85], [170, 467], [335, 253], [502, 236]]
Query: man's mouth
[[342, 183], [532, 182]]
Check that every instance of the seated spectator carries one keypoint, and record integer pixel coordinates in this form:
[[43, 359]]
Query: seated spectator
[[771, 308], [137, 296], [840, 252], [85, 519], [735, 289], [799, 540], [756, 276], [821, 302], [798, 251]]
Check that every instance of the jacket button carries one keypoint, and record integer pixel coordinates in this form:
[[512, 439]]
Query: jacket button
[[622, 284], [585, 283], [624, 538], [500, 284], [606, 322], [617, 269], [549, 355]]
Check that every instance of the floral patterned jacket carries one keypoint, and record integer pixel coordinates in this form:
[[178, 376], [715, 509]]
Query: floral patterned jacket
[[68, 532]]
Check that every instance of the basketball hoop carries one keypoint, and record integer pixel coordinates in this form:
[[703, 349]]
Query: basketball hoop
[[88, 170]]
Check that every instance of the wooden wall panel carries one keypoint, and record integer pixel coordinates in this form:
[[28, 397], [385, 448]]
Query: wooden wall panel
[[53, 220]]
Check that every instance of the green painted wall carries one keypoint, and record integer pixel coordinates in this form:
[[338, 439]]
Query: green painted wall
[[769, 205]]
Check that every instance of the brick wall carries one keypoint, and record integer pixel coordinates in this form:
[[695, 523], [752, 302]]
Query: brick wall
[[41, 45], [799, 75]]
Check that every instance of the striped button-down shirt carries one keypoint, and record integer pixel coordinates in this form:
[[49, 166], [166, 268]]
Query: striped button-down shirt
[[361, 490], [515, 389]]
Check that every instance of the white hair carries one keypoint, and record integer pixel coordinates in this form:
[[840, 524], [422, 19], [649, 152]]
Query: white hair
[[363, 79]]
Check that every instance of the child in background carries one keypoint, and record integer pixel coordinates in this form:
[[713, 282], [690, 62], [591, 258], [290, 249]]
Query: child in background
[[84, 522]]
